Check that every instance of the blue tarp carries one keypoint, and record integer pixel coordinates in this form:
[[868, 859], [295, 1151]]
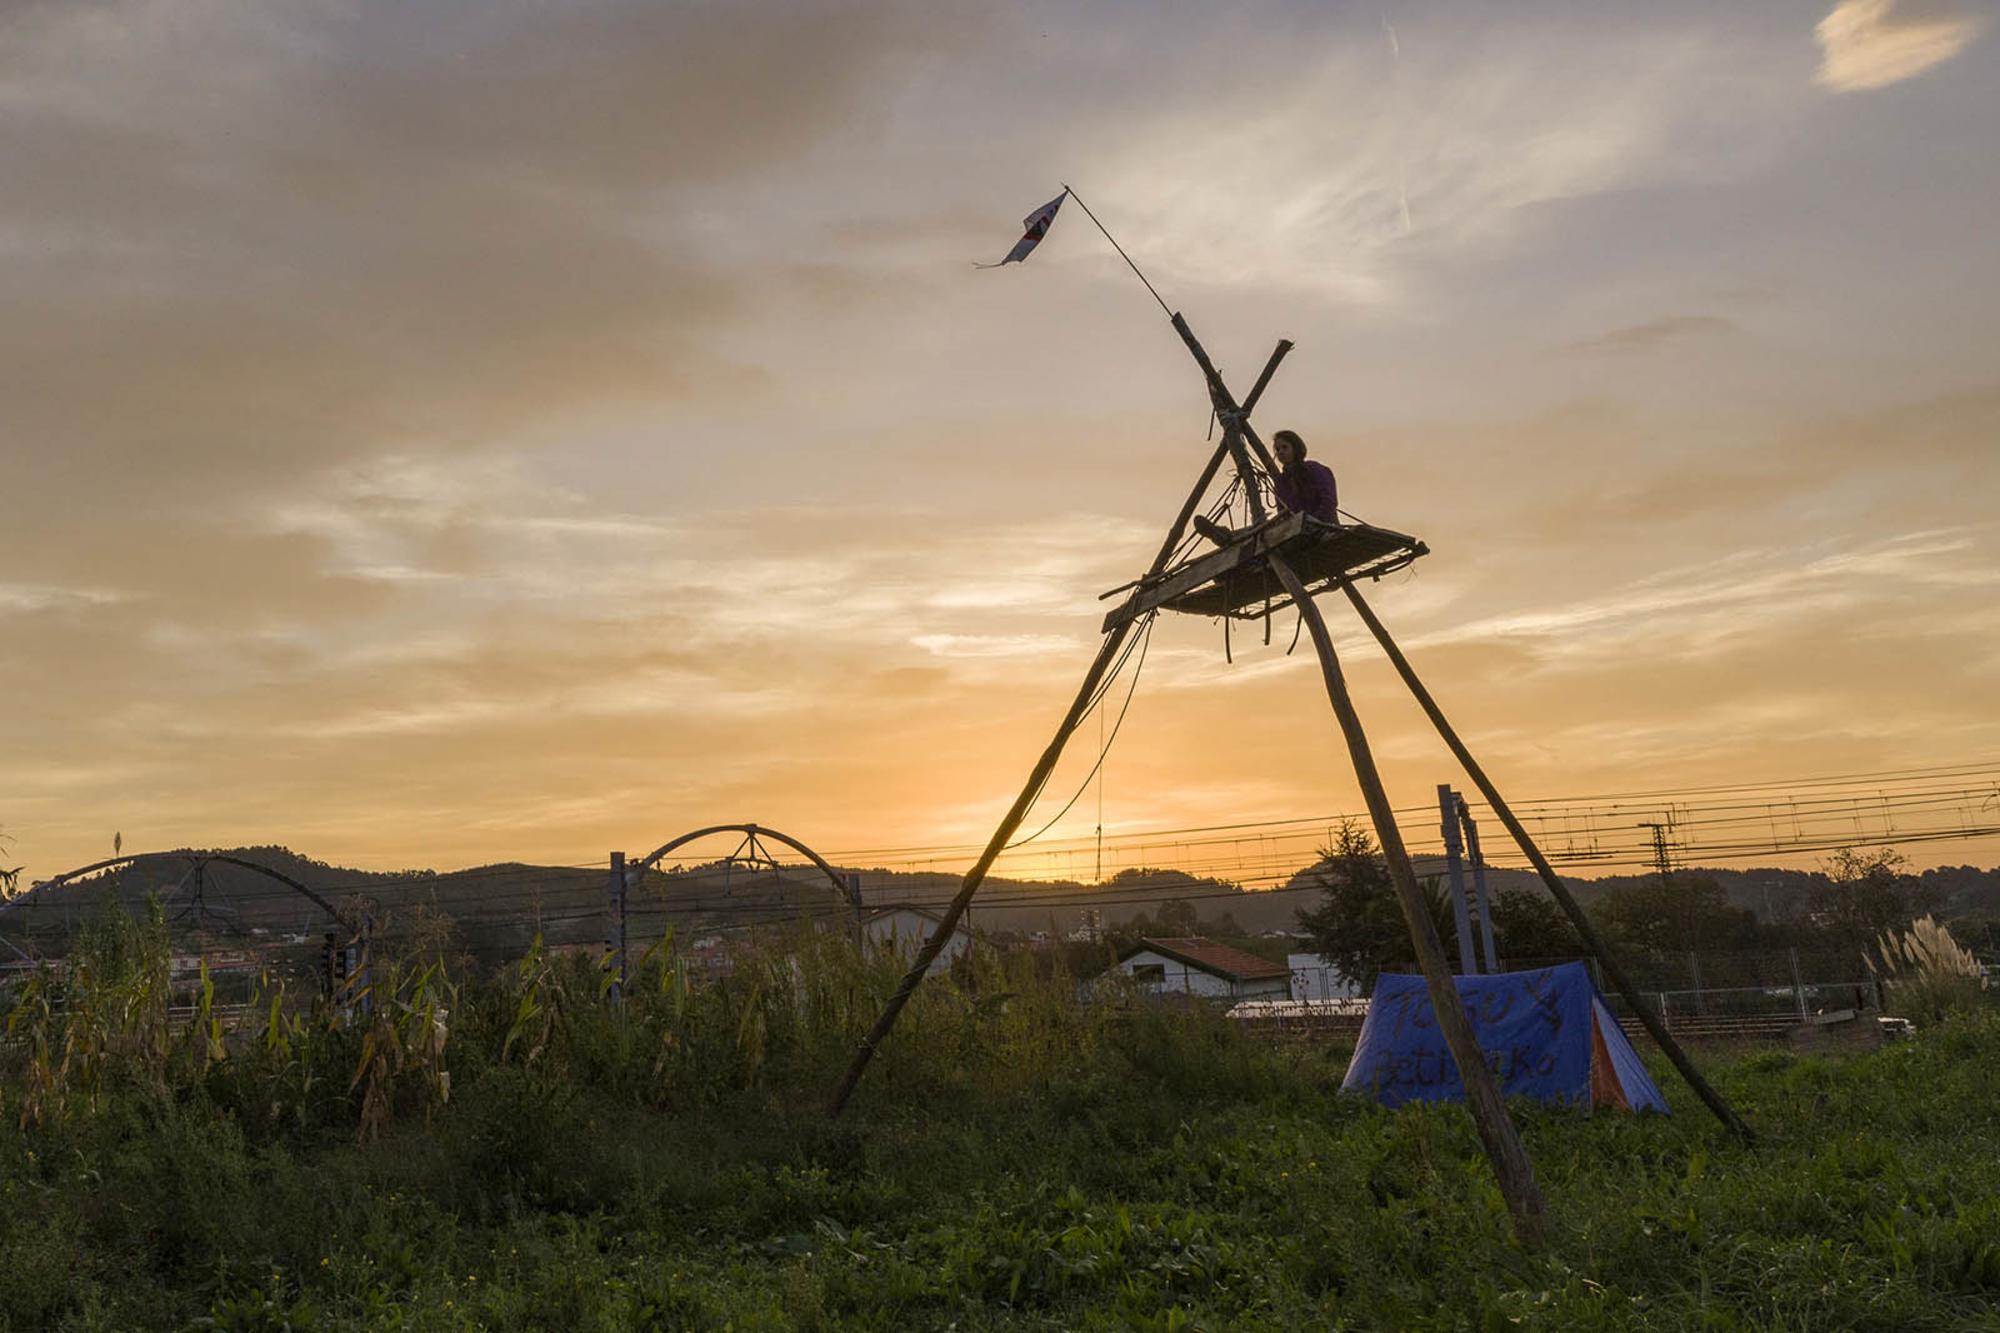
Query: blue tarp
[[1538, 1030]]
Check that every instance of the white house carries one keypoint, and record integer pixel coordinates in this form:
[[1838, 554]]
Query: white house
[[1314, 978], [1195, 966], [903, 927]]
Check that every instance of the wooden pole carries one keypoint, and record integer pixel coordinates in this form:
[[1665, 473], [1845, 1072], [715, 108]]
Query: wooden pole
[[1228, 411], [1215, 461], [614, 928], [1231, 416], [1232, 445], [1482, 1094], [1564, 899], [1232, 440], [1193, 502], [1264, 380], [975, 876], [1218, 393]]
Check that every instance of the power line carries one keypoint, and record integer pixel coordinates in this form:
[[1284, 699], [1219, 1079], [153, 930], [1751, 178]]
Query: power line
[[1990, 768], [1906, 807], [1104, 748]]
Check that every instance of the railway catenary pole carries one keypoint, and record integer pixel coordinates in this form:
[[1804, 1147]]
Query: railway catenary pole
[[1468, 961], [1479, 890]]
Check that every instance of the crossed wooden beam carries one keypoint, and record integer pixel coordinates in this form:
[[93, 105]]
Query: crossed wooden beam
[[1489, 1111]]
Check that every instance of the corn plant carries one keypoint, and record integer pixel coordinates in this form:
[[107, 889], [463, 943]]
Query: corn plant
[[537, 995], [404, 1033], [102, 1019], [204, 1027], [33, 1021]]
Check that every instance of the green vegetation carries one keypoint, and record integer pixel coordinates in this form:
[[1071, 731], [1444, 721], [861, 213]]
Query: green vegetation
[[1013, 1161], [1834, 926], [1358, 925]]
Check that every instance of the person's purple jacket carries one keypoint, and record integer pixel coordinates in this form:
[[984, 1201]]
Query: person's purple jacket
[[1308, 489]]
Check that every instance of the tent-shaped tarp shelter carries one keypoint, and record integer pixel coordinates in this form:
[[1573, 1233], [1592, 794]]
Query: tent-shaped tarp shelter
[[1546, 1034]]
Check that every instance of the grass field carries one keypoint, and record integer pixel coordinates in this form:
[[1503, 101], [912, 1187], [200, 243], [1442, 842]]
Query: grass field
[[1012, 1162]]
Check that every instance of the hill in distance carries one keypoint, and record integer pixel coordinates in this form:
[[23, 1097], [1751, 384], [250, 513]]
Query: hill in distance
[[501, 907]]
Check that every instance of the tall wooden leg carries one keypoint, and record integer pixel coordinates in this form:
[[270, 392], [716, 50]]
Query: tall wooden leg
[[1231, 446], [975, 876], [1571, 908], [1482, 1093]]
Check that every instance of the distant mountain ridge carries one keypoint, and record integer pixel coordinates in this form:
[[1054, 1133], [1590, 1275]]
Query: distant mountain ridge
[[502, 906]]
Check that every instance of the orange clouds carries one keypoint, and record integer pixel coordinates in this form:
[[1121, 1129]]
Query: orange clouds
[[442, 433]]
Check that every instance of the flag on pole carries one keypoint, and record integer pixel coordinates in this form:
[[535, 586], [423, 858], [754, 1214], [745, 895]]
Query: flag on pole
[[1033, 228]]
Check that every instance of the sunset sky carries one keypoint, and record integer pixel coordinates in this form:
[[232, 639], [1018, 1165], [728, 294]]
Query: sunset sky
[[441, 433]]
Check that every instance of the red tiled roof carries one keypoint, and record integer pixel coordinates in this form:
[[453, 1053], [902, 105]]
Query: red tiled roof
[[1220, 959]]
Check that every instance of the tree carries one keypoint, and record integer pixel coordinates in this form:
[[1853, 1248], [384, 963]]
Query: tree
[[1676, 915], [1179, 917], [1529, 927], [1358, 926], [1864, 894]]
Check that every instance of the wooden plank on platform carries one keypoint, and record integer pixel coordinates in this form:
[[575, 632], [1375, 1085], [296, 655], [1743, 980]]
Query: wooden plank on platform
[[1208, 568]]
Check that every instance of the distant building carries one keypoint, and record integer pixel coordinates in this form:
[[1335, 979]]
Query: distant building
[[903, 928], [1195, 966], [1314, 978], [1091, 930], [709, 958]]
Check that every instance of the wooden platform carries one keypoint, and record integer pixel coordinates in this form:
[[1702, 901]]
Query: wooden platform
[[1236, 580]]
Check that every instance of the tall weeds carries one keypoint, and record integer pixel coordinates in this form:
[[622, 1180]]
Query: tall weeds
[[1928, 973], [773, 1032], [101, 1022]]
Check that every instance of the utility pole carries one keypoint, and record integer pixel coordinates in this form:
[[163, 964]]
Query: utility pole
[[1663, 866], [1663, 861], [1479, 892], [614, 928], [364, 968], [1468, 961]]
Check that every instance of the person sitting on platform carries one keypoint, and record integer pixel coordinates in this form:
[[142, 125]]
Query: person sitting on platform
[[1303, 487]]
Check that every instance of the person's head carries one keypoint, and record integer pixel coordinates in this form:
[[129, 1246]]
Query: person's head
[[1290, 449]]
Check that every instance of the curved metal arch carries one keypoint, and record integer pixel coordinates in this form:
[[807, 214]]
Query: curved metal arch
[[850, 891], [199, 859]]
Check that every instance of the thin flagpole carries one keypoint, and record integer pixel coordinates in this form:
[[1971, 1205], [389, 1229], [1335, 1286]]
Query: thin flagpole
[[1115, 246]]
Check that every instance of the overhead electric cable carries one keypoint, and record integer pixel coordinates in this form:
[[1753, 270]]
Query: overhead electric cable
[[1144, 639]]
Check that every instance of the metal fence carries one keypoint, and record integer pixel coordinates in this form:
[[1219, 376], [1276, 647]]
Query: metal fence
[[1760, 994]]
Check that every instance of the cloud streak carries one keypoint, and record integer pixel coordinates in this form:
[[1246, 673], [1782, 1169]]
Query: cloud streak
[[1751, 591], [1357, 164], [1870, 44], [1651, 334]]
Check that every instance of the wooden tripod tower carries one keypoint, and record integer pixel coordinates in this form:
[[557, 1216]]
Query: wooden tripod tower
[[1280, 561]]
